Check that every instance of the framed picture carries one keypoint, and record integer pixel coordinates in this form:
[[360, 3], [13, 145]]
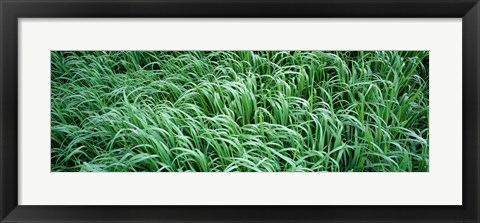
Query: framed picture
[[239, 111]]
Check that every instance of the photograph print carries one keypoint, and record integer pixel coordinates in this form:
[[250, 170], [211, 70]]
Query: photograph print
[[239, 111]]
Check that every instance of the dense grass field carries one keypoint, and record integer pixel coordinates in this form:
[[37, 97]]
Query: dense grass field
[[240, 111]]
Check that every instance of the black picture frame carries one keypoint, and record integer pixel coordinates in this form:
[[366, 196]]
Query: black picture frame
[[12, 10]]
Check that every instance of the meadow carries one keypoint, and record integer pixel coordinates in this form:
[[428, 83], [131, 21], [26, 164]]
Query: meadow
[[239, 111]]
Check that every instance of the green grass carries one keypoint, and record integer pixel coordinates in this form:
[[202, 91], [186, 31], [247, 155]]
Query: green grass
[[240, 111]]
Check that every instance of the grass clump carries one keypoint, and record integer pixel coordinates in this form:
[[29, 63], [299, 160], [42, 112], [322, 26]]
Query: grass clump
[[239, 111]]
